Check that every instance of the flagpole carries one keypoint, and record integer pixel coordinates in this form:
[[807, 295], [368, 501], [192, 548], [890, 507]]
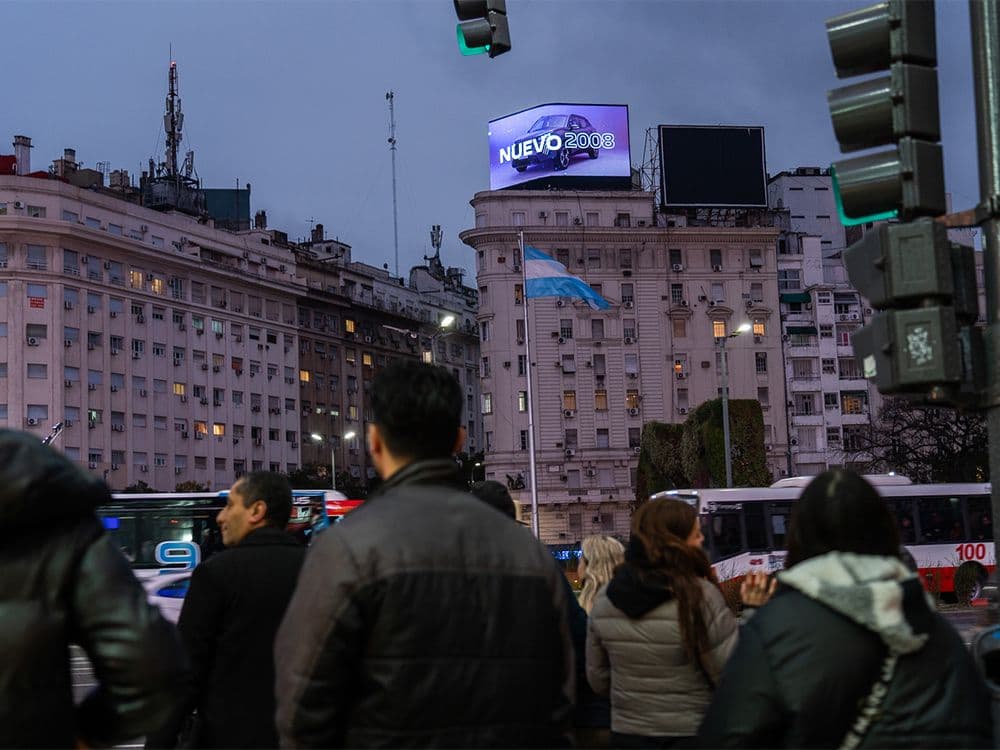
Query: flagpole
[[531, 410]]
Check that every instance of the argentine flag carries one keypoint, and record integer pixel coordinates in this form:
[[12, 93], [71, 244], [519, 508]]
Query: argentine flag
[[546, 277]]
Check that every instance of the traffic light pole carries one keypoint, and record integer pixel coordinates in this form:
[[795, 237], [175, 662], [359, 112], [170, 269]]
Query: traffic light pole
[[985, 22]]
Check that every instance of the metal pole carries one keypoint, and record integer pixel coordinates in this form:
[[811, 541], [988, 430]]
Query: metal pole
[[985, 22], [531, 412], [391, 96], [333, 463], [725, 412]]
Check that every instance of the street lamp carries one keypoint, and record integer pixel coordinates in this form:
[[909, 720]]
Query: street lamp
[[443, 329], [333, 452], [721, 343]]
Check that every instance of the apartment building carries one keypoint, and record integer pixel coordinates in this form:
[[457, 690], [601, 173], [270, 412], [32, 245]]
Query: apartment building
[[598, 376], [174, 351]]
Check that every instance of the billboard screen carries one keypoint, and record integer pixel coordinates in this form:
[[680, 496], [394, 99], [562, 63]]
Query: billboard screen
[[561, 145], [708, 165]]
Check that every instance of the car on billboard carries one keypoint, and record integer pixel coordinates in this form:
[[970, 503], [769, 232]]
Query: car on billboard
[[571, 137]]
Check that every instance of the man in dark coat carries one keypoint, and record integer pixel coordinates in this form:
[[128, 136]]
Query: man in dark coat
[[230, 616], [424, 619], [63, 581]]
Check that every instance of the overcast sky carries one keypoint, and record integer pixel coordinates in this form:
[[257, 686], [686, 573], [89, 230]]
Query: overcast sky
[[290, 96]]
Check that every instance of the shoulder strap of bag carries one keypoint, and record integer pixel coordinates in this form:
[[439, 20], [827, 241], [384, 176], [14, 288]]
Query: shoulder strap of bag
[[872, 704]]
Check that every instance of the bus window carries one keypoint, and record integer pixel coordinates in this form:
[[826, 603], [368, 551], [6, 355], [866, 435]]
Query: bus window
[[940, 519], [177, 525], [779, 513], [980, 514], [753, 518], [902, 511], [726, 534]]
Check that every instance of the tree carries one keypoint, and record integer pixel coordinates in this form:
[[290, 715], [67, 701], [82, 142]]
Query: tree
[[660, 466], [473, 466], [353, 488], [310, 477], [191, 486], [926, 444], [703, 452], [138, 487]]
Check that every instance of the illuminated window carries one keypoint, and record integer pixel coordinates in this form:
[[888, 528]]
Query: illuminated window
[[718, 328], [179, 389], [157, 285], [304, 376], [135, 279], [758, 327], [366, 359], [349, 325], [487, 403], [219, 429], [428, 357], [522, 401], [632, 398], [601, 399], [351, 356], [569, 400]]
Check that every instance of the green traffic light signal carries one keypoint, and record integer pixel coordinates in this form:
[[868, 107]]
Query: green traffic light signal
[[465, 49], [850, 221]]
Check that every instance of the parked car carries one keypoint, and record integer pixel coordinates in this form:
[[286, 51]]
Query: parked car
[[568, 128]]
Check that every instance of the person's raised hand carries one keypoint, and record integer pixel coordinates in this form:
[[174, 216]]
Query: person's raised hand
[[757, 588]]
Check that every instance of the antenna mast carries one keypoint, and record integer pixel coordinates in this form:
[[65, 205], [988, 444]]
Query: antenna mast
[[173, 121], [392, 148]]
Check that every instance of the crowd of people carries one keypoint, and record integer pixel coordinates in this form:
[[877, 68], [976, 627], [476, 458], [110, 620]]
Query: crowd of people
[[431, 618]]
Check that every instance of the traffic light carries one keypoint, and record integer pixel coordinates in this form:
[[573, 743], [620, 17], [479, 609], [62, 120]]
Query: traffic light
[[929, 342], [482, 27], [901, 108]]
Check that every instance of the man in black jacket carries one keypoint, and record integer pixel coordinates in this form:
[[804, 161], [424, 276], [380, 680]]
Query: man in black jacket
[[62, 581], [424, 619], [230, 615]]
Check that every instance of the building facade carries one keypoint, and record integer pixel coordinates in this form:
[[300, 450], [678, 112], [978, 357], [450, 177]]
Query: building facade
[[598, 376], [173, 351]]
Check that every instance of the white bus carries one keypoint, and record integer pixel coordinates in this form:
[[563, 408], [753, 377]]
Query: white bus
[[946, 527]]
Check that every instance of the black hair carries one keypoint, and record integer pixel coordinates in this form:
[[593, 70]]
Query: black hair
[[840, 512], [275, 492], [495, 494], [418, 410]]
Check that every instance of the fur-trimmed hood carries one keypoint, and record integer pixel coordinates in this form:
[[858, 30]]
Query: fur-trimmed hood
[[40, 487], [878, 593]]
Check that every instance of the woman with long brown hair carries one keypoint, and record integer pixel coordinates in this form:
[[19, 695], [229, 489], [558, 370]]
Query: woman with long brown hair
[[661, 631]]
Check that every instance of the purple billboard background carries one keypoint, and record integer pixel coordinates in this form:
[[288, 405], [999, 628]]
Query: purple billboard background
[[507, 134]]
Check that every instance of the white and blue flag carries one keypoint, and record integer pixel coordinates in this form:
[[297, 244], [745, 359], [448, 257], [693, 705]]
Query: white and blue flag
[[546, 277]]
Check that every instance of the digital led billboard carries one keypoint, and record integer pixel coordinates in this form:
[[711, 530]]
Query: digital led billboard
[[712, 165], [581, 146]]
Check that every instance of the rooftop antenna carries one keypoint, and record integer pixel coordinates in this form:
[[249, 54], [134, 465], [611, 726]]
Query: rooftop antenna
[[173, 119], [390, 96]]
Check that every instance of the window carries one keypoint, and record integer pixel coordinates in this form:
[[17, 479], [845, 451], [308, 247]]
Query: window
[[719, 329], [826, 331], [715, 258], [179, 389], [593, 259], [625, 258], [37, 257], [789, 279], [632, 398], [601, 399], [677, 294], [631, 363], [487, 403], [805, 404], [523, 439], [756, 258], [829, 366], [832, 435], [718, 293], [676, 257], [628, 328], [566, 328], [679, 327], [756, 292], [38, 371], [831, 401], [603, 438], [522, 401], [764, 396], [802, 369], [760, 362], [562, 218], [854, 402], [599, 365], [517, 218], [593, 219], [568, 364], [138, 346], [484, 330], [759, 328], [569, 400], [849, 369], [597, 328], [623, 220], [522, 364], [628, 294], [518, 294]]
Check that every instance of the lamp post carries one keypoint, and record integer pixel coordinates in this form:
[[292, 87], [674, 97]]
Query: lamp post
[[721, 342], [333, 453]]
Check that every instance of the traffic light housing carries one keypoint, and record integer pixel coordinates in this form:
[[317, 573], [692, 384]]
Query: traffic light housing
[[906, 182], [482, 27], [923, 339]]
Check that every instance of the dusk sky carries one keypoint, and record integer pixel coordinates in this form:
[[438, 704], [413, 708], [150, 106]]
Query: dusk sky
[[290, 96]]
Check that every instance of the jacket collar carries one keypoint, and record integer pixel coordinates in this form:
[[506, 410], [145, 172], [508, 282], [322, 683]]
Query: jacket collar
[[268, 536], [440, 471]]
